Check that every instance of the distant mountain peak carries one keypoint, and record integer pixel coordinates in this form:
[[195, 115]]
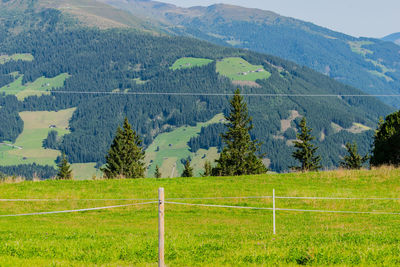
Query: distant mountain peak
[[394, 37], [89, 12]]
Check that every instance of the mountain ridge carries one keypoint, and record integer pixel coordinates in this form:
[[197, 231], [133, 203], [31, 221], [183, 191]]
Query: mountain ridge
[[89, 12], [366, 63], [118, 61], [394, 37]]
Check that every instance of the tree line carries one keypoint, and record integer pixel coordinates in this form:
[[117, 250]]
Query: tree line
[[241, 153], [113, 60]]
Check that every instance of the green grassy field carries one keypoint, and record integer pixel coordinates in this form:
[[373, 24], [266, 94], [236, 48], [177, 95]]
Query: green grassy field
[[238, 69], [84, 171], [169, 148], [204, 236], [15, 57], [190, 62], [28, 146], [357, 47], [39, 87]]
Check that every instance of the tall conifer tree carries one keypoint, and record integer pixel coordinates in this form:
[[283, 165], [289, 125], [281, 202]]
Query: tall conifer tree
[[157, 173], [306, 151], [64, 169], [125, 158], [188, 171], [386, 149], [239, 157], [353, 161], [207, 169]]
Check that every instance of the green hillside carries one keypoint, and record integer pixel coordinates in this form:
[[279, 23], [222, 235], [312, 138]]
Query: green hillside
[[38, 87], [28, 146], [88, 13], [7, 58], [238, 69], [395, 37], [328, 52], [205, 236], [168, 149], [190, 62], [93, 69]]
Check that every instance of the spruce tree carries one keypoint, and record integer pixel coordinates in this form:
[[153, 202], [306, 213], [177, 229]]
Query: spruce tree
[[207, 169], [157, 172], [386, 150], [125, 158], [188, 171], [353, 161], [306, 151], [238, 156], [64, 169]]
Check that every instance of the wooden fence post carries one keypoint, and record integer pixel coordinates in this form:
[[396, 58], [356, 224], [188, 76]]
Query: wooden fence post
[[161, 227], [273, 203]]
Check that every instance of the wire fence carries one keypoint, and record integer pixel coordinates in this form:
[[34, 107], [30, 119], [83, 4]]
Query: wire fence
[[161, 201], [172, 202], [194, 198], [77, 210]]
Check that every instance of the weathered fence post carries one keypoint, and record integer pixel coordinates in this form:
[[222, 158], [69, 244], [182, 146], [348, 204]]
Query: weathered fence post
[[161, 227], [273, 209]]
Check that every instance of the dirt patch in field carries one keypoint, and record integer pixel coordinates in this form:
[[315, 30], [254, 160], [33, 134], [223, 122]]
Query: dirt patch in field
[[357, 128], [286, 124], [246, 83]]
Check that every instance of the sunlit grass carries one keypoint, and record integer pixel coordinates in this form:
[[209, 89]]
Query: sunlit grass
[[200, 236], [28, 146], [190, 62], [238, 69], [38, 87]]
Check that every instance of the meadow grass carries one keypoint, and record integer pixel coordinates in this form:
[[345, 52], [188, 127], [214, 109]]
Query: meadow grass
[[169, 148], [199, 236], [357, 47], [238, 69], [84, 171], [39, 87], [29, 143], [15, 57], [190, 62]]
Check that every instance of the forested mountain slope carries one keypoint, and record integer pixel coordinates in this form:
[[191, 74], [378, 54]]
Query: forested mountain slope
[[395, 38], [88, 12], [103, 70], [371, 65]]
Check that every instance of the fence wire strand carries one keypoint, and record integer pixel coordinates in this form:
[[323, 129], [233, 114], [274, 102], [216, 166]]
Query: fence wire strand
[[199, 198], [77, 210], [218, 206], [283, 209]]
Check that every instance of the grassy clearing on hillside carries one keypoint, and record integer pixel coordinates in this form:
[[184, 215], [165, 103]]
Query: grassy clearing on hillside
[[168, 149], [357, 47], [238, 69], [29, 144], [39, 87], [190, 62], [84, 171], [201, 236], [15, 57]]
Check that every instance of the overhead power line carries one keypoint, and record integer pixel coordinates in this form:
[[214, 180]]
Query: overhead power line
[[207, 94]]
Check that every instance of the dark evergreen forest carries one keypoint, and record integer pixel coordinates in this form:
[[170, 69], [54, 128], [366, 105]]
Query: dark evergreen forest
[[104, 61], [306, 44], [29, 171]]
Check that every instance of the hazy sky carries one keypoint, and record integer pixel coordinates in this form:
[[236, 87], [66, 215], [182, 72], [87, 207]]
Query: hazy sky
[[368, 18]]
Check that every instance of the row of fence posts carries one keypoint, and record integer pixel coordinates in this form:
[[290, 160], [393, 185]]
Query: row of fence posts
[[161, 229]]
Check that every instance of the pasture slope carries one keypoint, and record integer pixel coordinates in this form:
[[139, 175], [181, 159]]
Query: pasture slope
[[169, 148], [204, 236], [28, 147]]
